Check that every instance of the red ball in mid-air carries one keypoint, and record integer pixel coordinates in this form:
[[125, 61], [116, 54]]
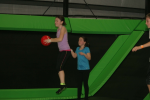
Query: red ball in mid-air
[[44, 38]]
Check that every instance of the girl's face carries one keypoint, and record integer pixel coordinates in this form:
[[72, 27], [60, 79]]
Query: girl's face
[[148, 22], [58, 22], [81, 41]]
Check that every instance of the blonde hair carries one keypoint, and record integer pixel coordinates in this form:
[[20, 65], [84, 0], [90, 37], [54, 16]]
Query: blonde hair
[[148, 15]]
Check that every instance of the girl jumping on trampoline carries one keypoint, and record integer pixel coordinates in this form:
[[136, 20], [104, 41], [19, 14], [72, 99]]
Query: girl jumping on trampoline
[[144, 46], [83, 56], [64, 50]]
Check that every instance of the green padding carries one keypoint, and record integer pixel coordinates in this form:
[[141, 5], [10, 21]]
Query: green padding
[[101, 72], [106, 59], [112, 59], [99, 75], [103, 26], [37, 94], [142, 26], [87, 26], [147, 97], [29, 23]]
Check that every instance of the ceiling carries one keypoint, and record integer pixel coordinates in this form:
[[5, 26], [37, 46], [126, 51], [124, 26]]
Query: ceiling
[[76, 8]]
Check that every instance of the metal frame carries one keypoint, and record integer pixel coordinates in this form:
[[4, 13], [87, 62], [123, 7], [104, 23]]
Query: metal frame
[[147, 7], [66, 5], [65, 8]]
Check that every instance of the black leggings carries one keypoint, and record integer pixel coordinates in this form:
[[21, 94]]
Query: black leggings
[[83, 76], [62, 59]]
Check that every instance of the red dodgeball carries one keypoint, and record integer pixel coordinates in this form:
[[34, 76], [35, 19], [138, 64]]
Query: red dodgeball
[[44, 38]]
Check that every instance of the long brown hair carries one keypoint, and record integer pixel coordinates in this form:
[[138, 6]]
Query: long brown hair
[[85, 40], [62, 19]]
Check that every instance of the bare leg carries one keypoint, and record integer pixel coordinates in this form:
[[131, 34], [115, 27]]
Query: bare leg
[[62, 80], [61, 76]]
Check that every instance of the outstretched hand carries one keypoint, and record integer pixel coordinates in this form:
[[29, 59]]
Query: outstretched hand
[[136, 48]]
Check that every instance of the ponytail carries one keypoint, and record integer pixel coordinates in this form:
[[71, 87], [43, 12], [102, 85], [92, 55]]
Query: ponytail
[[87, 44], [62, 19]]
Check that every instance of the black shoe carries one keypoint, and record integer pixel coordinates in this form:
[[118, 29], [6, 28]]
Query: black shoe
[[63, 87]]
